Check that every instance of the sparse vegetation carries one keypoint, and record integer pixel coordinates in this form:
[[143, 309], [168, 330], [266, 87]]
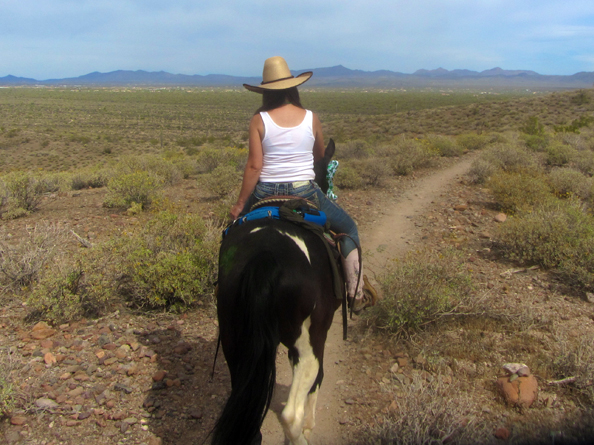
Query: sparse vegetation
[[419, 290], [185, 150]]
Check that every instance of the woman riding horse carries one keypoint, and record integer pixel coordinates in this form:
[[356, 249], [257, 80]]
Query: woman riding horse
[[284, 141]]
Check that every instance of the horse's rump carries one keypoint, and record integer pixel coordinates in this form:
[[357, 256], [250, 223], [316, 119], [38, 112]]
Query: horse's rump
[[273, 275]]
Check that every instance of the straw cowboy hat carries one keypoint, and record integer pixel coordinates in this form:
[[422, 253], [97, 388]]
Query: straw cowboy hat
[[277, 76]]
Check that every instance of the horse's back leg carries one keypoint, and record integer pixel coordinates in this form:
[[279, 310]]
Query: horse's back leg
[[318, 335], [305, 372]]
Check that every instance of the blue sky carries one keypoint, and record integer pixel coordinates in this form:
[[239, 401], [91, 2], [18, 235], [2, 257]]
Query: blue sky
[[45, 39]]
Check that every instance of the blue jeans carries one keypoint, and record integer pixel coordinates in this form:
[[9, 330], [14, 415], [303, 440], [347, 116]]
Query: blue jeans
[[340, 221]]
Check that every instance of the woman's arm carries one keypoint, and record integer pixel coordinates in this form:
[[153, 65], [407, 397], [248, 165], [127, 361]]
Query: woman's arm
[[253, 167], [318, 148]]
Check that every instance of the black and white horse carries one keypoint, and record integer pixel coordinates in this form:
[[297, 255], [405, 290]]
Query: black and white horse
[[275, 286]]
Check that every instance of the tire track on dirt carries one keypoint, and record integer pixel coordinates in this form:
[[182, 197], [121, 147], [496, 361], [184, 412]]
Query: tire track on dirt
[[385, 239]]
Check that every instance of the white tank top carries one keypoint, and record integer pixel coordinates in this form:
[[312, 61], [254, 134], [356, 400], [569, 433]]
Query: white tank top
[[288, 152]]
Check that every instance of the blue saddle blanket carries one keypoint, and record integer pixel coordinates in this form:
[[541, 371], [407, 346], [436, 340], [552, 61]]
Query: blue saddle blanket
[[311, 215]]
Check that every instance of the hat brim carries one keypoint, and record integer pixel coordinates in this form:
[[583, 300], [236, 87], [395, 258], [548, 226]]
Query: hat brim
[[280, 84]]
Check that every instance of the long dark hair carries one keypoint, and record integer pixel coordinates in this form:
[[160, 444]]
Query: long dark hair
[[272, 99]]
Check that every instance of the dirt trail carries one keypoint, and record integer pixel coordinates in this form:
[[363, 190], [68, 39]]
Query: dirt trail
[[389, 237]]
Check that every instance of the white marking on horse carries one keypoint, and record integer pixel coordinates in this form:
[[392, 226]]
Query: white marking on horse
[[300, 243], [305, 373], [256, 229]]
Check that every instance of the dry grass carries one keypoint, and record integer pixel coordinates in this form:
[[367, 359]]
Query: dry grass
[[22, 261], [430, 411]]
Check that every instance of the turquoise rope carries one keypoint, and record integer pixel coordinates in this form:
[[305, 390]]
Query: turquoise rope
[[332, 167]]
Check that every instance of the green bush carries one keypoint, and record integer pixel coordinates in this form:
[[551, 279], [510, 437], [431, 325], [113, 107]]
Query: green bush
[[445, 146], [223, 180], [22, 191], [373, 171], [210, 158], [558, 154], [187, 166], [472, 141], [481, 170], [575, 125], [94, 178], [567, 182], [532, 127], [8, 390], [552, 234], [419, 290], [536, 142], [510, 158], [354, 150], [157, 166], [519, 192], [139, 187], [584, 161], [347, 177], [77, 292], [170, 263], [409, 155]]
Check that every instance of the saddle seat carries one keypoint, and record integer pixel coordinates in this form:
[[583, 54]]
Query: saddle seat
[[277, 201]]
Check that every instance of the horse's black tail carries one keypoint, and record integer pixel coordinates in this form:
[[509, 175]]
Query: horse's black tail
[[253, 367]]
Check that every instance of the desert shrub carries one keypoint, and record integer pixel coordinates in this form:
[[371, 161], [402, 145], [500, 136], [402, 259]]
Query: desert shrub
[[419, 290], [481, 170], [210, 158], [536, 142], [170, 263], [445, 146], [53, 182], [23, 191], [191, 142], [557, 234], [89, 178], [354, 150], [373, 171], [13, 132], [187, 166], [221, 181], [428, 412], [347, 177], [567, 182], [138, 187], [71, 293], [518, 192], [8, 388], [237, 157], [558, 154], [22, 263], [575, 125], [510, 158], [409, 155], [576, 359], [472, 141], [157, 166], [532, 127], [582, 97], [79, 138], [219, 213], [584, 161]]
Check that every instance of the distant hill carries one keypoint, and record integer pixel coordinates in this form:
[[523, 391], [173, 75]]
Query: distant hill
[[336, 76]]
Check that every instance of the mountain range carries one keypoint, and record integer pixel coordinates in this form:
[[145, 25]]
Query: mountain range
[[336, 76]]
